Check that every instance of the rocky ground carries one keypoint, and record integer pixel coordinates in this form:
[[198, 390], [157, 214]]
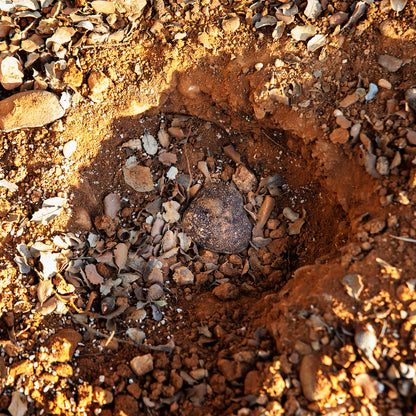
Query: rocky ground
[[207, 207]]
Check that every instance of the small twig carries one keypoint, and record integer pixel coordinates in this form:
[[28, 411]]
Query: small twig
[[163, 348], [383, 330], [105, 45], [273, 140], [93, 296], [23, 331], [188, 166], [110, 338], [407, 239]]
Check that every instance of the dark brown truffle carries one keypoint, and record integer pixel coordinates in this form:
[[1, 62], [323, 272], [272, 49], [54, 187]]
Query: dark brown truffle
[[216, 220]]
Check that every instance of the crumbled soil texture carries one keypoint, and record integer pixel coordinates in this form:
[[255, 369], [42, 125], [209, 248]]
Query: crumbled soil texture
[[154, 324]]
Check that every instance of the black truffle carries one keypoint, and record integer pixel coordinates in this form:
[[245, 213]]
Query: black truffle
[[216, 220]]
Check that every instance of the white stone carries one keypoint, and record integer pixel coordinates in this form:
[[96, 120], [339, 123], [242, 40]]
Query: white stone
[[69, 148], [316, 42], [149, 144], [172, 172], [303, 32], [313, 9]]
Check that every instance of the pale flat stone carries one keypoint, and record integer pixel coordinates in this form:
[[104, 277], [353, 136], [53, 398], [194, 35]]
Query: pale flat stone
[[130, 6], [29, 109], [139, 178], [305, 32], [106, 7], [231, 25]]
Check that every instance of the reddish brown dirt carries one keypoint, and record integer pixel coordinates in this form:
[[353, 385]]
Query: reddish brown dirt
[[252, 359]]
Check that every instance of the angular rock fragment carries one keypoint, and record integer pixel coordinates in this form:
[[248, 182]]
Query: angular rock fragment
[[29, 109], [138, 177], [244, 179], [353, 284], [142, 364], [60, 347], [316, 42], [183, 276], [313, 9], [216, 220], [300, 33]]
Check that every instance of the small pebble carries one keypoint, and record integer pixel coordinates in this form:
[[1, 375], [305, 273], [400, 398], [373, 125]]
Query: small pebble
[[343, 122], [149, 144], [231, 25], [313, 9], [315, 385], [390, 63], [373, 90], [353, 284], [383, 83], [382, 165], [349, 100], [339, 136], [300, 33], [290, 214], [183, 276], [318, 41], [142, 364], [69, 148]]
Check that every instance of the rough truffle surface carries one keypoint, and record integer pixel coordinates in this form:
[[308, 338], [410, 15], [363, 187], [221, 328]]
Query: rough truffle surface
[[216, 220]]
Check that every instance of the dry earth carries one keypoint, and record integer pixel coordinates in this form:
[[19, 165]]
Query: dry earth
[[109, 308]]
